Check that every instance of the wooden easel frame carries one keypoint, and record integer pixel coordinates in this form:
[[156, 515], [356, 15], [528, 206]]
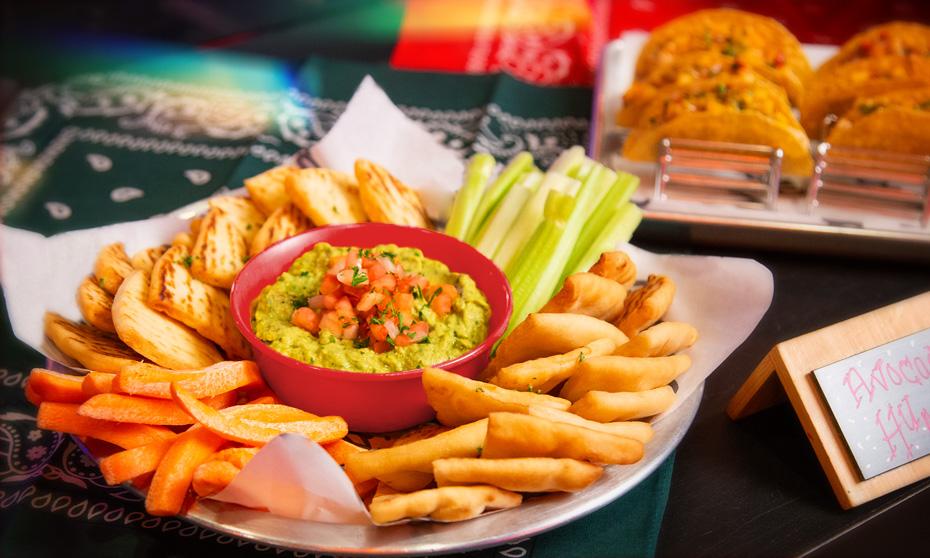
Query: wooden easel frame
[[788, 370]]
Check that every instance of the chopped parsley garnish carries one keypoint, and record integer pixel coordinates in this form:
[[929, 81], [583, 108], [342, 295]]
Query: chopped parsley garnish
[[364, 253], [529, 387], [389, 255], [304, 273], [298, 303], [480, 450], [360, 343], [425, 340], [479, 389], [722, 91], [580, 357], [358, 277], [390, 341], [100, 282], [187, 261], [417, 291]]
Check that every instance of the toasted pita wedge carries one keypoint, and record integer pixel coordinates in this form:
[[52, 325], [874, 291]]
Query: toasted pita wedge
[[326, 196], [111, 267], [220, 250], [195, 225], [183, 239], [95, 303], [285, 222], [245, 215], [267, 189], [94, 349], [205, 308], [144, 260], [388, 200], [155, 335]]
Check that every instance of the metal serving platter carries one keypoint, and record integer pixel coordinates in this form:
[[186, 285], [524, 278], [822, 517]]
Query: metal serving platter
[[789, 226], [534, 516]]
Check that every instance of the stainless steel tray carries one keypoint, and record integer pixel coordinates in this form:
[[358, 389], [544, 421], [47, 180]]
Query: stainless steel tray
[[789, 225]]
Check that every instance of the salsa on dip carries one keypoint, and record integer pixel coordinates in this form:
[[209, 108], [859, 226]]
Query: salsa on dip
[[381, 309]]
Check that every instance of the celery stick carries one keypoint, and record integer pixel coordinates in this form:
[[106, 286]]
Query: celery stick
[[520, 164], [568, 161], [530, 217], [469, 195], [617, 195], [533, 264], [619, 228], [559, 252], [498, 225], [584, 169]]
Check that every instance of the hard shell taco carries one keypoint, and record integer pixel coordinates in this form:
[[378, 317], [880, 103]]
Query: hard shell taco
[[730, 109], [835, 91], [730, 33], [897, 38], [696, 66], [898, 121]]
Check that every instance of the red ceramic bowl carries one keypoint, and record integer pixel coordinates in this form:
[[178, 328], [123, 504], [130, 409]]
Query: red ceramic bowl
[[368, 402]]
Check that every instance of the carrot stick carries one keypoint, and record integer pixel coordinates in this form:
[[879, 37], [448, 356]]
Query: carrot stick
[[340, 450], [55, 386], [237, 456], [255, 432], [143, 410], [129, 464], [213, 476], [268, 412], [176, 471], [64, 417], [97, 382], [154, 381], [31, 395]]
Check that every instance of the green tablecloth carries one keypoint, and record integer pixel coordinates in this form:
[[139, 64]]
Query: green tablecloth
[[155, 132]]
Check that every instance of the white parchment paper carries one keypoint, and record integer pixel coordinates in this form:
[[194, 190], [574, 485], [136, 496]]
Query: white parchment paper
[[373, 128]]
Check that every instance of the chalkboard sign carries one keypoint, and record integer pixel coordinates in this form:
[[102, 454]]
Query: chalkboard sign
[[861, 389], [881, 402]]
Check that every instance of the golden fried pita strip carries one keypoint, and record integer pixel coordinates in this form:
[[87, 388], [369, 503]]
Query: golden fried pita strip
[[284, 222], [154, 335], [459, 400], [111, 267], [619, 373], [545, 334], [603, 406], [327, 197], [449, 503], [646, 305], [205, 308], [544, 374], [220, 250], [516, 435], [144, 260], [409, 481], [520, 474], [388, 200], [267, 189], [94, 349], [94, 304], [589, 294], [617, 266], [636, 430], [244, 214], [464, 441], [662, 339]]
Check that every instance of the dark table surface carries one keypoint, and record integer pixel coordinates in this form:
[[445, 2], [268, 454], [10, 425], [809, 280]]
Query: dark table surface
[[755, 487], [747, 488]]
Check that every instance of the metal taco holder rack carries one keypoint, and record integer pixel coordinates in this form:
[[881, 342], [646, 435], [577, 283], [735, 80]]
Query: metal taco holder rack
[[857, 202]]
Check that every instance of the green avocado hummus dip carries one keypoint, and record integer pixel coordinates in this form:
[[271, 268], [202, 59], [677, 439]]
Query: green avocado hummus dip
[[383, 309]]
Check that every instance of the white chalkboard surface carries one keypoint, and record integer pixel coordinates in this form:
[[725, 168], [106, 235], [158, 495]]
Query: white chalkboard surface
[[880, 399]]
